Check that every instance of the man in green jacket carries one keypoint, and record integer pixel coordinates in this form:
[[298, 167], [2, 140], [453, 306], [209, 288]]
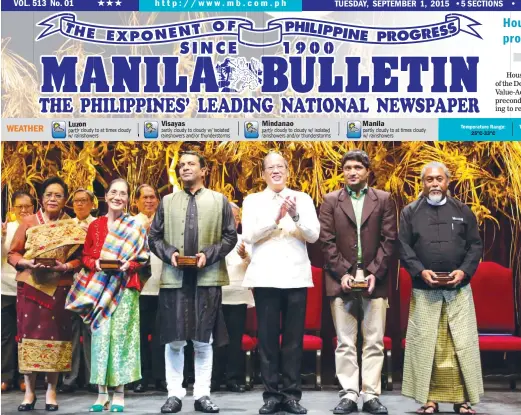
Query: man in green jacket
[[196, 222]]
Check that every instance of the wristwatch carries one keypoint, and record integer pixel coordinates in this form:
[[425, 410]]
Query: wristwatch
[[296, 217]]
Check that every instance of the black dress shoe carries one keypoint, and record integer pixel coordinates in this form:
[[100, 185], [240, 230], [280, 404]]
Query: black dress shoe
[[205, 405], [67, 388], [172, 405], [140, 387], [51, 407], [346, 406], [92, 388], [270, 407], [161, 386], [293, 407], [24, 407], [374, 406], [235, 387]]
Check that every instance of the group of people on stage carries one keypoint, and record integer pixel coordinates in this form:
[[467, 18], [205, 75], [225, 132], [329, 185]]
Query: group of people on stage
[[115, 279]]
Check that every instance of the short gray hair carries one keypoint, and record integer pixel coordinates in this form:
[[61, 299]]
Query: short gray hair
[[435, 164], [271, 153], [233, 205], [89, 193]]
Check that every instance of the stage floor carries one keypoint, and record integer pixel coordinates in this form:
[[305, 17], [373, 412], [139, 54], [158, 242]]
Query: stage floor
[[498, 400]]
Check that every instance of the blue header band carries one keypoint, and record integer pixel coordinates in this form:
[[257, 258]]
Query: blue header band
[[274, 32]]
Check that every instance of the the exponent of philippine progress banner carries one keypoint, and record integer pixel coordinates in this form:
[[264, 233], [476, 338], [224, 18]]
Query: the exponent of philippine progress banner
[[272, 69]]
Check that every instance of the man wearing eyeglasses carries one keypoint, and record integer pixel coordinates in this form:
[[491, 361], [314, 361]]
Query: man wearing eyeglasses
[[23, 205], [278, 223], [83, 204]]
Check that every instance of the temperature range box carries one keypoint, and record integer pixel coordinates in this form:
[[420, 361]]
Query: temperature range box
[[479, 129]]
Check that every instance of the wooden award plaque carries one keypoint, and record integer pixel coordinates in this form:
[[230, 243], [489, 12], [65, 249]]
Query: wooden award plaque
[[109, 264], [359, 284], [442, 278], [48, 262], [186, 261]]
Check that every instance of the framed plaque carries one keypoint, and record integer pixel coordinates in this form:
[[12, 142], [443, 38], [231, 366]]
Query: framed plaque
[[186, 261], [360, 283], [48, 262], [109, 264], [442, 278]]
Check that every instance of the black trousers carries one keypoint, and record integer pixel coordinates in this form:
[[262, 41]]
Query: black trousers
[[9, 346], [270, 303], [152, 353], [79, 328], [230, 358]]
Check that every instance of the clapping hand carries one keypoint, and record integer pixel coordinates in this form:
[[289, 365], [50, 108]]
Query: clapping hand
[[282, 212], [291, 205]]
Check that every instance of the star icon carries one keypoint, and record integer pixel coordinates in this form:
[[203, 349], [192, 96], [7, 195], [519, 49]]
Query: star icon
[[100, 3], [109, 3], [118, 3]]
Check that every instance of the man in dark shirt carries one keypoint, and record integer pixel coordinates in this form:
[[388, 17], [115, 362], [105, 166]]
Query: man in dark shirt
[[192, 222], [439, 234]]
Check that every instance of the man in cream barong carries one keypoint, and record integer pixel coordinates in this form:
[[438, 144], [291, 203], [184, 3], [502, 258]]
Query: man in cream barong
[[440, 234]]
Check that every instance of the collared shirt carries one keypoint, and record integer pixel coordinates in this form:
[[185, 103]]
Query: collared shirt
[[84, 223], [358, 207], [279, 254], [440, 203]]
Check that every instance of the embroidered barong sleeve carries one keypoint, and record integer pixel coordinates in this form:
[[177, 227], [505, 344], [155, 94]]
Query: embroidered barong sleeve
[[17, 248], [258, 222], [378, 266], [409, 259], [334, 261], [308, 223], [217, 252], [156, 237], [474, 245]]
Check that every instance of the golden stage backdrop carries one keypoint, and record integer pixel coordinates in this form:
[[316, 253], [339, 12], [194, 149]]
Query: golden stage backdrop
[[486, 175]]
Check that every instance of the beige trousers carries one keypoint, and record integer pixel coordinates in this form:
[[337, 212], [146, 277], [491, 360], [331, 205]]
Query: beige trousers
[[345, 317]]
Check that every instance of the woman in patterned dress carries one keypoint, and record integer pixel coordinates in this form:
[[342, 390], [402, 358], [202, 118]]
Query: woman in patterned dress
[[44, 326], [109, 300]]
